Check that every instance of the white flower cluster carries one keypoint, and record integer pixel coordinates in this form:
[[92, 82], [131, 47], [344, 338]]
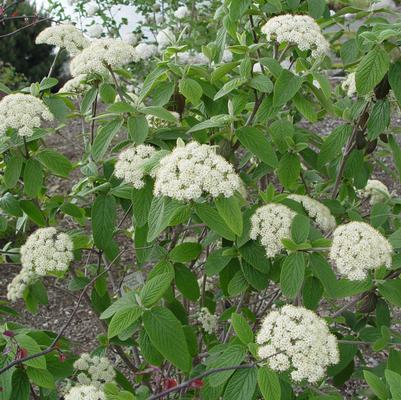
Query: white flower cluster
[[349, 84], [95, 370], [129, 164], [376, 190], [75, 85], [157, 123], [299, 30], [144, 51], [101, 52], [320, 214], [358, 248], [165, 38], [64, 36], [182, 12], [16, 288], [191, 170], [92, 9], [85, 392], [227, 56], [23, 112], [189, 58], [272, 223], [296, 339], [47, 251], [207, 320], [95, 30]]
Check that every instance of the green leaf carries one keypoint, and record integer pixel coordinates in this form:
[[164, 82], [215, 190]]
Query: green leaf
[[6, 383], [395, 149], [122, 319], [241, 328], [261, 83], [41, 377], [217, 121], [162, 93], [213, 220], [254, 277], [379, 119], [20, 385], [141, 202], [186, 282], [254, 140], [394, 381], [287, 85], [150, 80], [254, 254], [55, 162], [316, 8], [103, 138], [33, 178], [167, 336], [159, 112], [230, 210], [288, 171], [371, 70], [391, 291], [300, 228], [269, 384], [162, 211], [13, 170], [395, 239], [88, 100], [155, 288], [292, 274], [47, 83], [229, 87], [185, 252], [103, 220], [138, 128], [376, 384], [349, 51], [191, 90], [305, 107], [394, 78], [241, 385], [32, 347], [238, 284], [33, 212], [107, 93], [217, 261], [334, 143], [126, 301]]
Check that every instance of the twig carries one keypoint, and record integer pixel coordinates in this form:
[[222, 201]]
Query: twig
[[26, 148], [25, 27], [51, 70]]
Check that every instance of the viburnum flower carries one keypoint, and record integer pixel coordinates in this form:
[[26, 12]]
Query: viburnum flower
[[95, 31], [377, 191], [94, 370], [182, 12], [23, 112], [145, 51], [15, 289], [207, 320], [272, 223], [85, 392], [47, 251], [64, 36], [192, 170], [192, 58], [349, 84], [165, 38], [358, 248], [296, 339], [100, 54], [319, 213], [92, 9], [299, 30], [130, 162], [75, 85]]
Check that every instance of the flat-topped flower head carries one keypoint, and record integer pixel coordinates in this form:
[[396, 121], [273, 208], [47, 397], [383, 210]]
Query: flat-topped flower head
[[192, 58], [75, 85], [85, 392], [358, 248], [319, 213], [130, 163], [144, 51], [165, 38], [182, 12], [193, 170], [65, 36], [102, 53], [94, 370], [298, 30], [47, 251], [207, 320], [15, 289], [272, 223], [23, 112], [297, 340], [375, 190]]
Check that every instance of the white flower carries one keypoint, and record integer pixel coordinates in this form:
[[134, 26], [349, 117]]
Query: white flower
[[75, 85], [95, 31], [349, 84], [145, 51], [320, 214], [63, 36], [358, 248], [16, 288], [94, 370], [257, 68], [296, 339], [92, 9], [165, 38], [113, 52], [23, 112], [47, 251], [182, 12], [130, 162], [195, 169], [272, 223], [130, 38], [389, 4], [207, 320], [227, 56], [332, 13], [85, 392], [299, 30], [187, 57], [376, 190]]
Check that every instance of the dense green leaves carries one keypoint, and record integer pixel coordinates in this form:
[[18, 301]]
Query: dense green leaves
[[269, 384], [292, 274], [287, 85], [122, 319], [103, 220], [230, 210]]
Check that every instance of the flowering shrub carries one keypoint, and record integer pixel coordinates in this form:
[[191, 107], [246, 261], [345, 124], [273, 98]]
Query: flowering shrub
[[227, 246]]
